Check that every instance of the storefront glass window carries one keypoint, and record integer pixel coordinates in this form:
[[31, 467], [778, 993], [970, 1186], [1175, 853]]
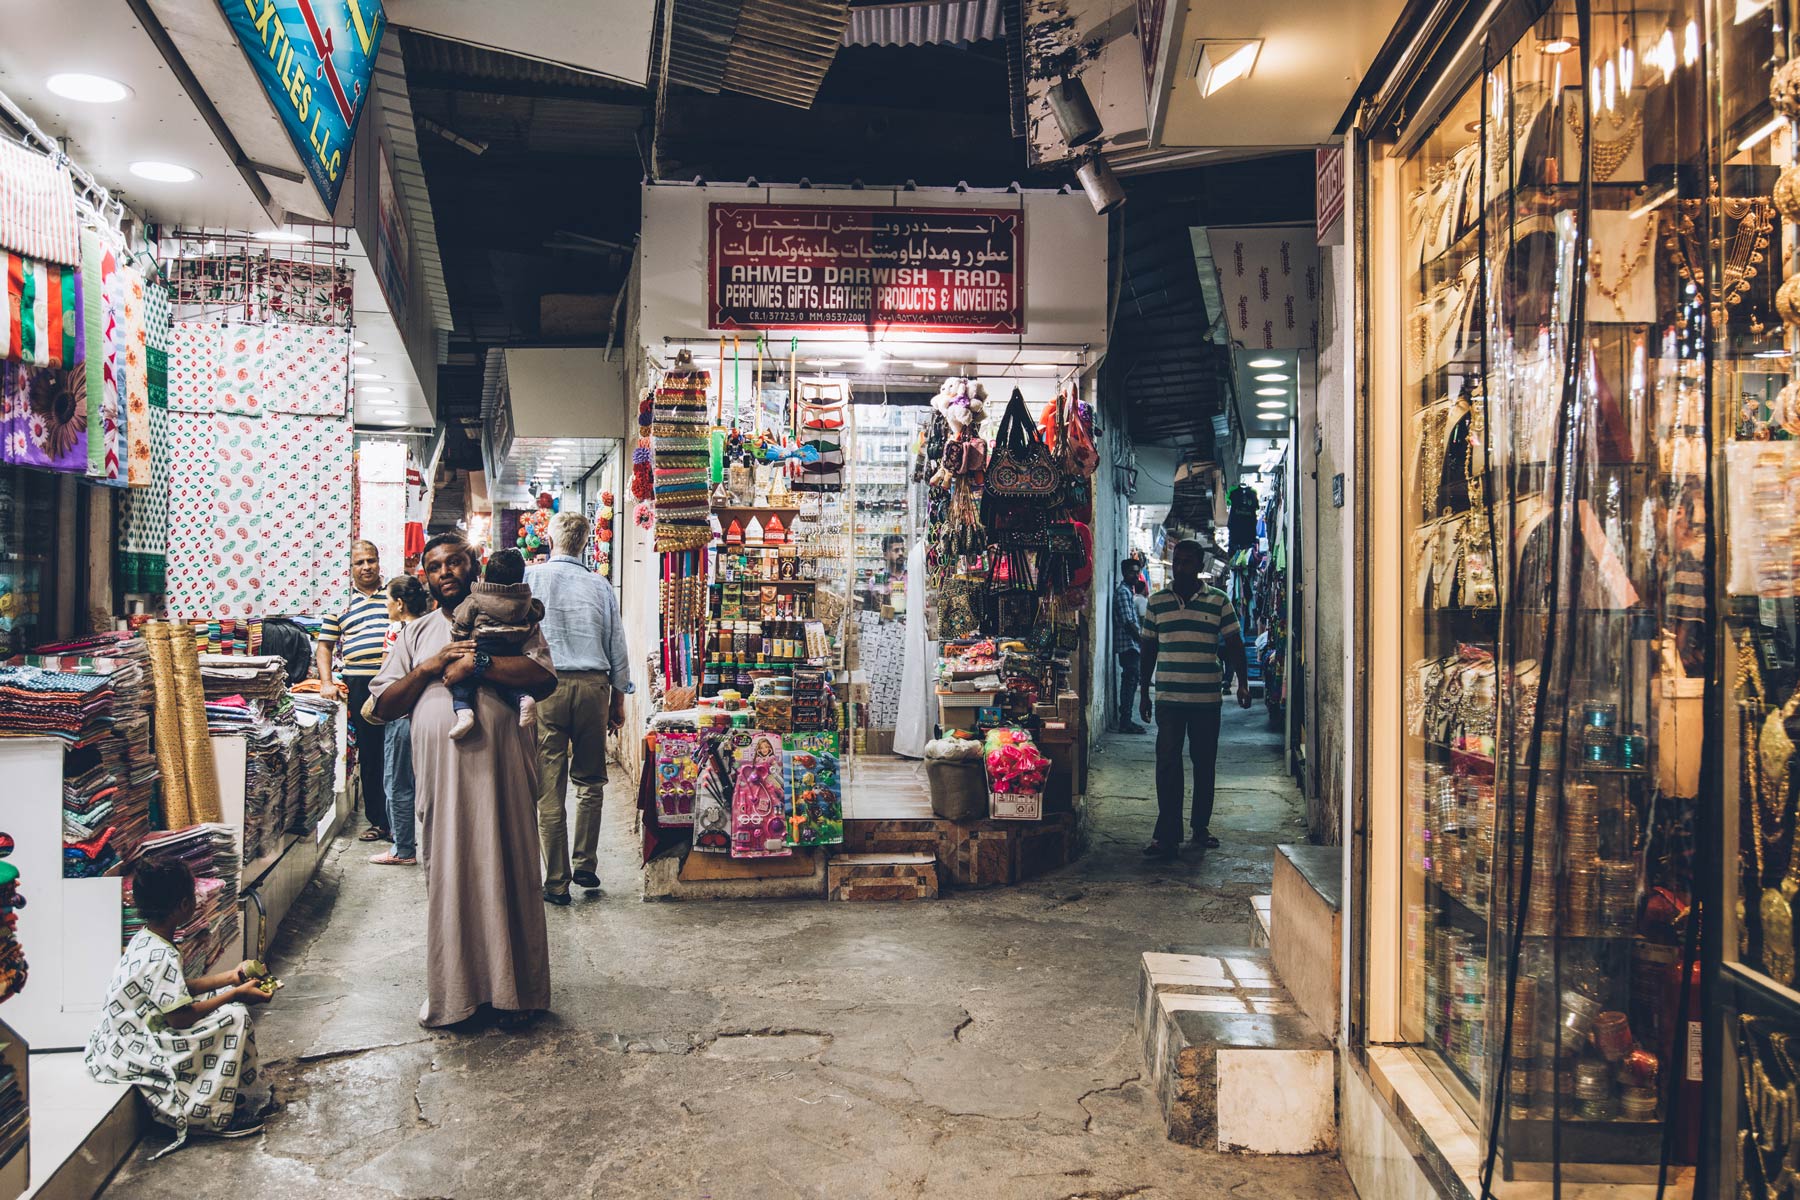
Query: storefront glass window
[[1556, 573]]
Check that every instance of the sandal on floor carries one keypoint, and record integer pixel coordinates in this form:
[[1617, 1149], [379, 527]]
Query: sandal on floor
[[373, 833], [393, 860]]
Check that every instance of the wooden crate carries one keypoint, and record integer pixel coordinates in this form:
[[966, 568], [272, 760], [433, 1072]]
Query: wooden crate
[[868, 877], [978, 854], [892, 836]]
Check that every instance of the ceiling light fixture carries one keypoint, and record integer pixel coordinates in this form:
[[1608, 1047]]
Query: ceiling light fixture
[[1772, 354], [1762, 135], [873, 358], [1275, 404], [374, 391], [1271, 391], [369, 376], [360, 345], [1271, 417], [1074, 112], [1263, 364], [163, 172], [1041, 367], [1557, 45], [88, 89], [1223, 63], [1271, 379], [1099, 184], [824, 362], [362, 360], [280, 235], [931, 366]]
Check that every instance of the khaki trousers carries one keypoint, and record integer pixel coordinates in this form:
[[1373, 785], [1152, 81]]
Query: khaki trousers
[[572, 747]]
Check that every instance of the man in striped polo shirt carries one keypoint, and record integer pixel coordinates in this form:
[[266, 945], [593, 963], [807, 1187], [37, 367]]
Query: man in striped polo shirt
[[359, 635], [1187, 630]]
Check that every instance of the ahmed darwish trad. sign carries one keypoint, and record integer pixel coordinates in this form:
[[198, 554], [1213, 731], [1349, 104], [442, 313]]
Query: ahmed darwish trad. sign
[[314, 58]]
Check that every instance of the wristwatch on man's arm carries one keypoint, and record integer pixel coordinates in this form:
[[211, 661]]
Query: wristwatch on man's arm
[[483, 660]]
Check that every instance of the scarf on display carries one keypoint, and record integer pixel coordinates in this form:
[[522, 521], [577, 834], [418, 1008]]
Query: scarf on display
[[680, 453], [37, 206], [100, 380]]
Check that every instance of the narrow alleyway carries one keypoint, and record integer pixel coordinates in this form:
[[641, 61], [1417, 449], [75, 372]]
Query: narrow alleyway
[[978, 1045]]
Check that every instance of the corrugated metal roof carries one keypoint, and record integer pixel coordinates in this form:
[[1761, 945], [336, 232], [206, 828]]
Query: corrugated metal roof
[[435, 56], [776, 49], [403, 145], [937, 21]]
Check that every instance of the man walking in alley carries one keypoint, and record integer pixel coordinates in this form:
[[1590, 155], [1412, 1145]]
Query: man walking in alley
[[359, 635], [1187, 629], [1127, 643], [485, 940], [593, 673]]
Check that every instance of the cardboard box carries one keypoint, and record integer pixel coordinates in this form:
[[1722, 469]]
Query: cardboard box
[[1028, 806]]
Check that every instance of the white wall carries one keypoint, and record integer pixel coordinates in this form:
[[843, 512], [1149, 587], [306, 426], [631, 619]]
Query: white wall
[[566, 393]]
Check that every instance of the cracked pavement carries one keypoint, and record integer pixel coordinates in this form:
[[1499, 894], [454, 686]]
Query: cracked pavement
[[981, 1044]]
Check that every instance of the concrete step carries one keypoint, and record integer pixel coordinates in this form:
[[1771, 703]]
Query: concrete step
[[1234, 1064], [1260, 924], [1306, 926], [881, 877]]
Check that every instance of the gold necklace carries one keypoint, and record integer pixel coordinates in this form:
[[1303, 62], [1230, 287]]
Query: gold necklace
[[1609, 155], [1744, 255], [1628, 266]]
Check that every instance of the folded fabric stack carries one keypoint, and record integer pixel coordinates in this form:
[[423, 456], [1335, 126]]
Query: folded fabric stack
[[108, 794], [682, 451], [266, 813], [317, 721], [228, 637], [39, 703], [259, 679], [12, 955], [210, 852]]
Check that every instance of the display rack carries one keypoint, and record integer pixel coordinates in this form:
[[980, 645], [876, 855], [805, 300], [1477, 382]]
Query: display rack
[[15, 1163]]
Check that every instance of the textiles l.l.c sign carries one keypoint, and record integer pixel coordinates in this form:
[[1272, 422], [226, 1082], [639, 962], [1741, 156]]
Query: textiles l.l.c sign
[[933, 270], [314, 58]]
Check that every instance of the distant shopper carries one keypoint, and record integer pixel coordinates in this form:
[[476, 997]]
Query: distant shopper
[[500, 616], [1188, 629], [185, 1044], [485, 940], [593, 673], [358, 634], [1127, 639], [407, 602]]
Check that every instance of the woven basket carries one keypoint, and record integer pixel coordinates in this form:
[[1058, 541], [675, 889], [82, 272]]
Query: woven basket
[[177, 811], [196, 742]]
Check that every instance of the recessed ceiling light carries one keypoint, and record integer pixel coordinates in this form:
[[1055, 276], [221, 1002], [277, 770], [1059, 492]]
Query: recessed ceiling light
[[1225, 63], [368, 376], [375, 391], [280, 235], [363, 360], [1271, 416], [1274, 378], [360, 345], [1271, 391], [1264, 364], [931, 366], [163, 172], [1271, 404], [89, 89], [824, 362]]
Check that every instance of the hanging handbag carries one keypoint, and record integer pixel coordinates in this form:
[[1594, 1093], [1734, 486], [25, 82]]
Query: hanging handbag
[[1018, 527], [1019, 466], [959, 608]]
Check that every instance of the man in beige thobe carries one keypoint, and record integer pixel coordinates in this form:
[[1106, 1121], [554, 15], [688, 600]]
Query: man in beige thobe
[[485, 941]]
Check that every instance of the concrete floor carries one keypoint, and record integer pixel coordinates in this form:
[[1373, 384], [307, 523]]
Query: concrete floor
[[979, 1045]]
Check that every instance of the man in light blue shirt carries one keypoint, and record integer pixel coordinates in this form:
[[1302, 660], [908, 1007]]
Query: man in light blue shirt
[[593, 675]]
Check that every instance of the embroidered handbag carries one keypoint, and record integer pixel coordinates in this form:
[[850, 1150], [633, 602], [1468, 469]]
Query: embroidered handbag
[[1021, 527], [1020, 466], [959, 608]]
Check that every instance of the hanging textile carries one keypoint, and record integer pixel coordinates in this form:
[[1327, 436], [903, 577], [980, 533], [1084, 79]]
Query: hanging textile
[[45, 418], [189, 514], [37, 206], [236, 536], [418, 512], [100, 383], [304, 292], [238, 374], [679, 433], [381, 500], [193, 355], [306, 369], [144, 516], [308, 544], [41, 315], [137, 379]]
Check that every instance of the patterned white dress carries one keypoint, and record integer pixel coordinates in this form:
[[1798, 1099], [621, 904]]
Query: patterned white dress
[[191, 1078]]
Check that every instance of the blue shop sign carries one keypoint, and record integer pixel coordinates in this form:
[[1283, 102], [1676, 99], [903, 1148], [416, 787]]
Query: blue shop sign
[[315, 58]]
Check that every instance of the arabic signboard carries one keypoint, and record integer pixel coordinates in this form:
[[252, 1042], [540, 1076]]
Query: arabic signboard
[[315, 58], [930, 270], [1328, 170]]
